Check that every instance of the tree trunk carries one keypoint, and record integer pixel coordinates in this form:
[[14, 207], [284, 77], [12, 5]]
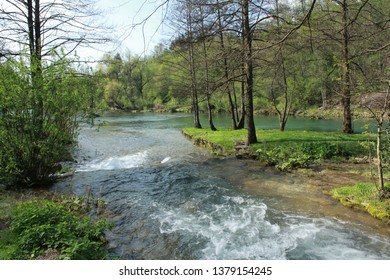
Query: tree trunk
[[282, 124], [206, 73], [194, 90], [226, 70], [35, 48], [379, 159], [241, 123], [345, 73], [248, 65]]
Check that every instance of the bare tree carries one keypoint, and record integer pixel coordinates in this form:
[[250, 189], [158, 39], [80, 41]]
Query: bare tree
[[46, 26], [41, 28], [183, 20], [379, 108], [206, 67], [344, 28], [225, 63]]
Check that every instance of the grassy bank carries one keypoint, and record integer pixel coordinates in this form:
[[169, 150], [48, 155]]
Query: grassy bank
[[284, 150], [300, 149], [364, 197], [45, 226]]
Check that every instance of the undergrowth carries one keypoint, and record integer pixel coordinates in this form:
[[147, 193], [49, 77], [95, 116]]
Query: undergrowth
[[286, 150], [38, 225]]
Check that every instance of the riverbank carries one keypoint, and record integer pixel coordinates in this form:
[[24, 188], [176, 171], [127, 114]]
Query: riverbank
[[316, 155], [317, 113]]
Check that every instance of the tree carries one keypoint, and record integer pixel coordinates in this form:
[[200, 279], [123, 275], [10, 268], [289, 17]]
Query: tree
[[222, 25], [206, 61], [41, 92], [379, 108], [44, 26], [280, 85], [247, 33], [346, 29], [31, 151], [185, 44]]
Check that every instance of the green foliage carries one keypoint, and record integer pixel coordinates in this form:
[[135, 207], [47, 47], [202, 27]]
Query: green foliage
[[302, 154], [365, 197], [286, 150], [284, 159], [39, 225], [37, 120]]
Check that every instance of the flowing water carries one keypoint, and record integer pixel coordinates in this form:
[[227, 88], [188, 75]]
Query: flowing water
[[170, 199]]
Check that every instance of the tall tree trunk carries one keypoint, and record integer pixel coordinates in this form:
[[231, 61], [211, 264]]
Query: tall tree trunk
[[248, 65], [345, 73], [241, 123], [35, 48], [285, 111], [226, 69], [379, 158], [206, 73], [194, 90]]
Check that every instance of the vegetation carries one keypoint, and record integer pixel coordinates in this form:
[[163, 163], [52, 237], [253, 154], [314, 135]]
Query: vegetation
[[241, 57], [60, 225], [292, 56], [33, 140], [42, 90], [365, 197], [275, 56], [284, 150]]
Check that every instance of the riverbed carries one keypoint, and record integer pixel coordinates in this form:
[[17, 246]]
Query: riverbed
[[169, 199]]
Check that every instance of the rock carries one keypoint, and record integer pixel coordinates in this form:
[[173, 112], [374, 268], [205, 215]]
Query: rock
[[50, 254]]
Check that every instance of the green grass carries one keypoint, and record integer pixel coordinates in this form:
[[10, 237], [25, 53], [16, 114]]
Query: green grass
[[365, 197], [285, 150], [223, 137], [226, 137]]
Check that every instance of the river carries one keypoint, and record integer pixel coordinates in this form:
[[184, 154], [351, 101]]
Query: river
[[169, 199]]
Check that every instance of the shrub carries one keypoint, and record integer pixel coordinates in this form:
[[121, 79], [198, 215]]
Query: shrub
[[39, 225], [37, 123]]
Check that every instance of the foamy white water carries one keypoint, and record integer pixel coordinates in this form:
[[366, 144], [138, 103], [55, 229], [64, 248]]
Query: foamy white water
[[165, 160], [111, 163]]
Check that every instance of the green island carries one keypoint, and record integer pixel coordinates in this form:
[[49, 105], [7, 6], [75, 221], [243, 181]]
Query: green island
[[291, 150]]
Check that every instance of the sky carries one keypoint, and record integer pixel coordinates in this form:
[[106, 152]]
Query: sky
[[130, 33]]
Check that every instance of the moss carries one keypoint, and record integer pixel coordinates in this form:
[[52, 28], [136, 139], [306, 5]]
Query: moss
[[364, 197]]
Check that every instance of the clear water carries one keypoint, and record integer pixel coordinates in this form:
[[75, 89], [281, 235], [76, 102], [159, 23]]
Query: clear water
[[170, 199]]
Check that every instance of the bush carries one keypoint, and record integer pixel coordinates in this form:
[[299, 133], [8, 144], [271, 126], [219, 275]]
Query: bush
[[37, 121], [39, 225]]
